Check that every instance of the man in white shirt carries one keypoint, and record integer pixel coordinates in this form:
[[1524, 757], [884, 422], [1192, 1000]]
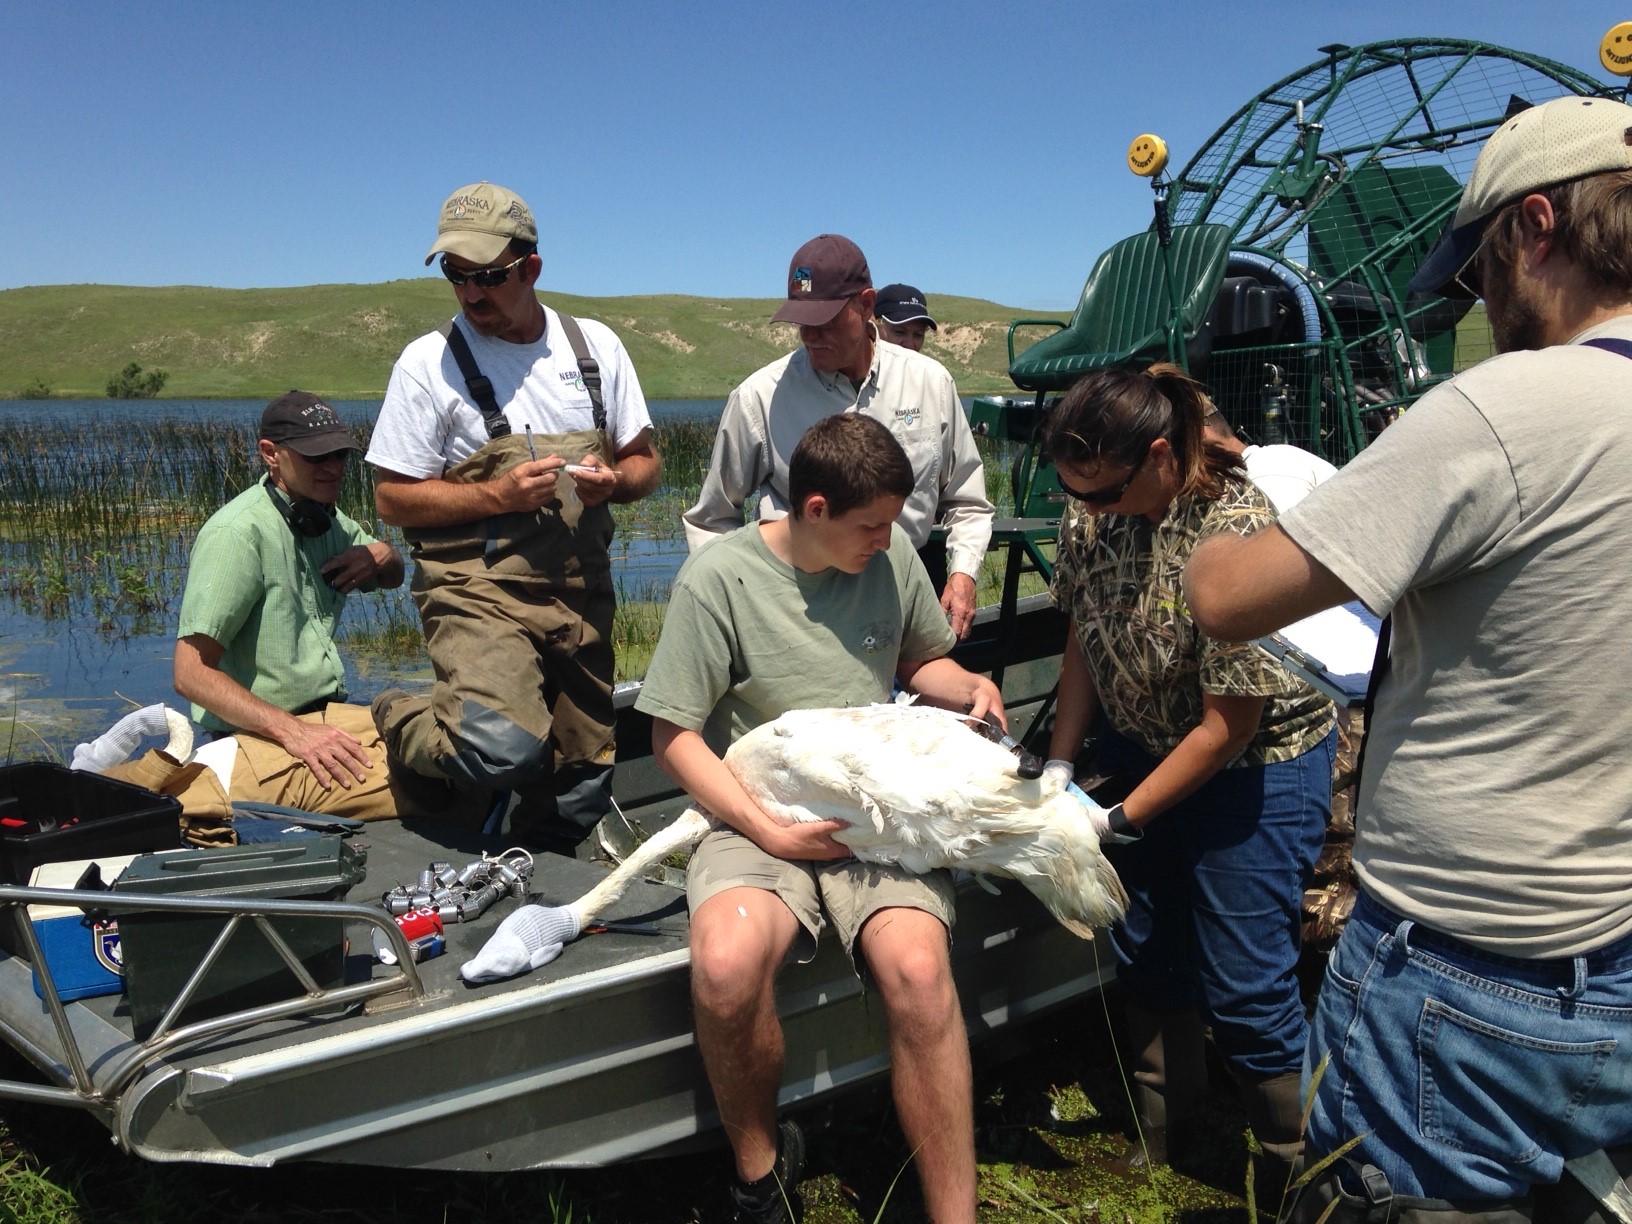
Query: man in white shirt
[[842, 367], [1285, 473], [502, 440]]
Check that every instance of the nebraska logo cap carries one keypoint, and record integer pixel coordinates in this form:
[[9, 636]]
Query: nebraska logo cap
[[478, 222], [825, 273]]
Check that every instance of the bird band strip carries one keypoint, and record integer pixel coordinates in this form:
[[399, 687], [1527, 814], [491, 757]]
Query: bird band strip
[[465, 894]]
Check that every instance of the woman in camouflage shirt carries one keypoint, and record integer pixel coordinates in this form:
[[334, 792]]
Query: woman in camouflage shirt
[[1229, 757]]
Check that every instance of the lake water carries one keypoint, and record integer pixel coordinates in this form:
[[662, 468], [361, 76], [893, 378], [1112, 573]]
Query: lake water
[[72, 663], [65, 674]]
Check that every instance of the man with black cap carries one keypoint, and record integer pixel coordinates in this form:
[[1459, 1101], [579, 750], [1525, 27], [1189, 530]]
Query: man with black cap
[[502, 439], [266, 583], [1476, 1018], [842, 367], [902, 315]]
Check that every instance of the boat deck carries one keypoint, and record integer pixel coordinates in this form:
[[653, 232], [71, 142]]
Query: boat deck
[[587, 1061]]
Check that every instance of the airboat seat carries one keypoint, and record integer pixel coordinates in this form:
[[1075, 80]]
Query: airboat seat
[[1124, 314]]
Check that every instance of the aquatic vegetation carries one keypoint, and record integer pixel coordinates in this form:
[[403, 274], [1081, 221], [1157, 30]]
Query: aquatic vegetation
[[635, 631], [97, 520]]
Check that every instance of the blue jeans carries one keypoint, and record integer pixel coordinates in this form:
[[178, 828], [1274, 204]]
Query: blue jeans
[[1470, 1076], [1215, 887]]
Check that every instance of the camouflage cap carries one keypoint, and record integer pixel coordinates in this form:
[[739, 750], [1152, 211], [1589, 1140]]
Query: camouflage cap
[[479, 221]]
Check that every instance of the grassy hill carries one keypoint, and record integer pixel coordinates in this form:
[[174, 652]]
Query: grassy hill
[[340, 340]]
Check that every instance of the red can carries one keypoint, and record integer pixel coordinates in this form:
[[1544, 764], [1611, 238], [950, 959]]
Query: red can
[[418, 923]]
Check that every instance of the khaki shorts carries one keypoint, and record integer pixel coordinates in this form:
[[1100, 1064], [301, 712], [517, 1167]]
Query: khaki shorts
[[847, 891]]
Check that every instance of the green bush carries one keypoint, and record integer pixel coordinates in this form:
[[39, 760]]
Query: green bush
[[131, 383]]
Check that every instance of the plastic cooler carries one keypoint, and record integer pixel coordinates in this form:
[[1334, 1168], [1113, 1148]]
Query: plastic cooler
[[83, 955], [161, 950], [52, 814]]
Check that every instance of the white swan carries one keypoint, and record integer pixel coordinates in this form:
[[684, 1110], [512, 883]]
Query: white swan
[[916, 787], [919, 790]]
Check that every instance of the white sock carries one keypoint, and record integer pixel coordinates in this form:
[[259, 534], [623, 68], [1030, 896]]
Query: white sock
[[530, 938], [115, 745]]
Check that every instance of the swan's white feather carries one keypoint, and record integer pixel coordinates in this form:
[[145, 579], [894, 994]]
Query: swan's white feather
[[920, 789]]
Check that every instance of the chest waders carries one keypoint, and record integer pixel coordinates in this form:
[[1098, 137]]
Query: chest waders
[[517, 611]]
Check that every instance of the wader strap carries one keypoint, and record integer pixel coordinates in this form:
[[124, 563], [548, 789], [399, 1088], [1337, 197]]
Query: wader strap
[[588, 367], [481, 389]]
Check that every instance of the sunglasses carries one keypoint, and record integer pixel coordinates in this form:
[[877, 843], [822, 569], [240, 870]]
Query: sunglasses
[[1468, 277], [326, 457], [486, 278], [1107, 496]]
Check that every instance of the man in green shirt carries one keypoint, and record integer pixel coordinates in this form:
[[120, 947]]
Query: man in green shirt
[[267, 580], [822, 608]]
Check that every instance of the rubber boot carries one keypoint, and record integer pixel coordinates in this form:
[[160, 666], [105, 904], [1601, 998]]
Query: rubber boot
[[557, 813], [1324, 1201], [1570, 1202], [1275, 1112], [1169, 1055]]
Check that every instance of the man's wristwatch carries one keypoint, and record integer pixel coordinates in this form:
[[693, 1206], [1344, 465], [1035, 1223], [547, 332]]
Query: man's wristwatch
[[1119, 823]]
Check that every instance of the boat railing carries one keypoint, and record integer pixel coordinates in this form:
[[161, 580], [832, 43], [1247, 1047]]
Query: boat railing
[[126, 1063]]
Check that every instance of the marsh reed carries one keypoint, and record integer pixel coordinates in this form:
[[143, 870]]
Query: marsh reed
[[97, 522]]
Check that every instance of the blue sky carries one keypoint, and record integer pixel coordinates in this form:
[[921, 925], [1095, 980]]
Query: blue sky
[[970, 148]]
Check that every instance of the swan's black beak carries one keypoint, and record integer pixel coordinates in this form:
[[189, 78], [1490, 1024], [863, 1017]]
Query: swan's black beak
[[1029, 765]]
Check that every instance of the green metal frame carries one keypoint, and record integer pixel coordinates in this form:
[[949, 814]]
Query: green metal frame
[[1347, 170], [1245, 174]]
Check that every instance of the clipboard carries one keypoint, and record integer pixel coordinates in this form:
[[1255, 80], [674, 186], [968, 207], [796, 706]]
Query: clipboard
[[1331, 651]]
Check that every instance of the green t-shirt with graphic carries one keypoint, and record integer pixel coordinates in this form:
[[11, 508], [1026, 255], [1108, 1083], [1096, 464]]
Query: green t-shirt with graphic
[[748, 637]]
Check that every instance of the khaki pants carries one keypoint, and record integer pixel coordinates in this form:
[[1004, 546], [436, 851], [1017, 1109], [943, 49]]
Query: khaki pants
[[264, 773]]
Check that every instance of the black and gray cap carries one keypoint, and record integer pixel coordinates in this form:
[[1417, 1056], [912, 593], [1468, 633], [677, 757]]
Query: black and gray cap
[[1565, 139]]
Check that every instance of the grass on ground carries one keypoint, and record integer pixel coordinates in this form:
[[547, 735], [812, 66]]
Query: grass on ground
[[1053, 1138]]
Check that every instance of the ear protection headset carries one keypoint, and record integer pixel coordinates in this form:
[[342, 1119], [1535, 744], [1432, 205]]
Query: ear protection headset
[[305, 516]]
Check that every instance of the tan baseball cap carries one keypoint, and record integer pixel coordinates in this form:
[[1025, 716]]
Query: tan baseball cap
[[479, 221], [1567, 138]]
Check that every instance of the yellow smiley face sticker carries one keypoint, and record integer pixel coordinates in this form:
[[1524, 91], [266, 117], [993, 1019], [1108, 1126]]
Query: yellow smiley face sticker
[[1615, 52], [1147, 155]]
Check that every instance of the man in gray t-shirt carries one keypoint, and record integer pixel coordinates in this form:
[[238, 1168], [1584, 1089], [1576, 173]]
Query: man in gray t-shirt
[[1477, 1014], [824, 607]]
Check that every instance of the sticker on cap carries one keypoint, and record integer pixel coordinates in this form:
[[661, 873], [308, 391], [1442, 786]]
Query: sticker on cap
[[802, 280]]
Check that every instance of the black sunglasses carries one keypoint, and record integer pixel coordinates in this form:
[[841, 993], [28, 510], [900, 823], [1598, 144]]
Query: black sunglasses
[[486, 278], [342, 454], [1109, 495]]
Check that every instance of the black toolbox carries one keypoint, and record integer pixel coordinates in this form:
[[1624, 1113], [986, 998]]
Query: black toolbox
[[52, 814], [161, 950]]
